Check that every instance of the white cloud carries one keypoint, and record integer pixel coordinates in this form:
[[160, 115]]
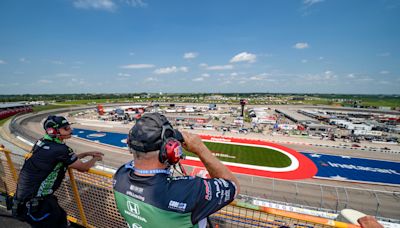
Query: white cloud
[[301, 45], [124, 75], [45, 81], [137, 66], [2, 62], [199, 79], [136, 3], [384, 72], [172, 69], [190, 55], [24, 60], [151, 79], [304, 61], [311, 2], [107, 5], [244, 57], [234, 74], [351, 75], [321, 58], [131, 53], [219, 67], [205, 75], [256, 78], [64, 75]]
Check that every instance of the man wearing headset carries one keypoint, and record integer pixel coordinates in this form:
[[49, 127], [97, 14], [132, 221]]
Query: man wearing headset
[[42, 174], [148, 196]]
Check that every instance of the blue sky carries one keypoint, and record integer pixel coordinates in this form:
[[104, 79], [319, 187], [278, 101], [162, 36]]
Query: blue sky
[[301, 46]]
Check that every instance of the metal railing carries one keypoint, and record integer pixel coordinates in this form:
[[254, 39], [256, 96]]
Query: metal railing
[[89, 201]]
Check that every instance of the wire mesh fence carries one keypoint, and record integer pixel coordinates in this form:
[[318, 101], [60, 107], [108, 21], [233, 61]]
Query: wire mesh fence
[[95, 192]]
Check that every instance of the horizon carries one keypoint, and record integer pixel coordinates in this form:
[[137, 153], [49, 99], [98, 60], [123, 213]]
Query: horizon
[[180, 47]]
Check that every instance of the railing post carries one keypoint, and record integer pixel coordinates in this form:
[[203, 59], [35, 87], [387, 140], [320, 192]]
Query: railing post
[[378, 203], [11, 165], [77, 197], [322, 196], [337, 199]]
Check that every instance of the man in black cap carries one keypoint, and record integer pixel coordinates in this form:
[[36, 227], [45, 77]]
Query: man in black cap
[[42, 174], [148, 196]]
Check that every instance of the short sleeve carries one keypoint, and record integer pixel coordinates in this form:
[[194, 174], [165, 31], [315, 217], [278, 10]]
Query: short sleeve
[[67, 156], [214, 194]]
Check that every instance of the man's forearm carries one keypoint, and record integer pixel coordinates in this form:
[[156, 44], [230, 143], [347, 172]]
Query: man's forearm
[[89, 164], [214, 166]]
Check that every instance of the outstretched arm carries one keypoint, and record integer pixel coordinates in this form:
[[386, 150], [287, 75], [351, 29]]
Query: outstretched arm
[[85, 166]]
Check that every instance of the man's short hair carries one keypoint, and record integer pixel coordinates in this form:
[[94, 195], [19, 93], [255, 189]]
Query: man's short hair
[[145, 135]]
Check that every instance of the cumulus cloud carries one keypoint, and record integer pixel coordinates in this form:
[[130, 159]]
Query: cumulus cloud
[[311, 2], [24, 60], [107, 5], [136, 3], [190, 55], [244, 57], [172, 69], [2, 62], [150, 79], [45, 81], [301, 45], [217, 67], [137, 66], [123, 75], [199, 79]]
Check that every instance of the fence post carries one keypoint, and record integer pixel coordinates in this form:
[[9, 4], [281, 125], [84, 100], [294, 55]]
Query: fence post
[[77, 197], [337, 199], [347, 197], [11, 165], [378, 203], [322, 196]]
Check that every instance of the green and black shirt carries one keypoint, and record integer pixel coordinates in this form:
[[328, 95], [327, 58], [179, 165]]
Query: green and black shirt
[[164, 201], [44, 169]]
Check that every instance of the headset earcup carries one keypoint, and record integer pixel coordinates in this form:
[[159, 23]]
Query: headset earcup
[[51, 132]]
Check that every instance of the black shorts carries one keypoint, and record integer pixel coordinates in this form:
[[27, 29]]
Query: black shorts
[[47, 214]]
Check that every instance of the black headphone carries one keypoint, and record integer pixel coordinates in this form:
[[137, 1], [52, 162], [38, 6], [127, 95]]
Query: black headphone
[[171, 148]]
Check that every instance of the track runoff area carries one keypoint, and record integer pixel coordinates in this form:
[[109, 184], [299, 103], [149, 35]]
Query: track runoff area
[[265, 159]]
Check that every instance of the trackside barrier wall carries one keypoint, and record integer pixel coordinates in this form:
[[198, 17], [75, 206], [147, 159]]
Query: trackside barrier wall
[[89, 201]]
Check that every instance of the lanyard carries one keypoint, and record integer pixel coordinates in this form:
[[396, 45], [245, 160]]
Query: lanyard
[[130, 165]]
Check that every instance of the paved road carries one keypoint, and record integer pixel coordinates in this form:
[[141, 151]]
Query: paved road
[[333, 195]]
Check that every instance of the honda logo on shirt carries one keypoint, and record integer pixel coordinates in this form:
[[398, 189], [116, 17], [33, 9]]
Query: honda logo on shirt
[[133, 207]]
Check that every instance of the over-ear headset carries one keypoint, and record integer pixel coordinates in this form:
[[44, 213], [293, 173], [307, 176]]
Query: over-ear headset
[[50, 126], [171, 149]]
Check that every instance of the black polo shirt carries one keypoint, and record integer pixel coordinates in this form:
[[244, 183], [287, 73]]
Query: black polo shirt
[[44, 169]]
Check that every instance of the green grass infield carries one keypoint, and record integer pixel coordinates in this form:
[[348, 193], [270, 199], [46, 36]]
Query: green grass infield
[[250, 155]]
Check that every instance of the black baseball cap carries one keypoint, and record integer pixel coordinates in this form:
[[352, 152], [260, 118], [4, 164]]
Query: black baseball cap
[[145, 135], [56, 122]]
